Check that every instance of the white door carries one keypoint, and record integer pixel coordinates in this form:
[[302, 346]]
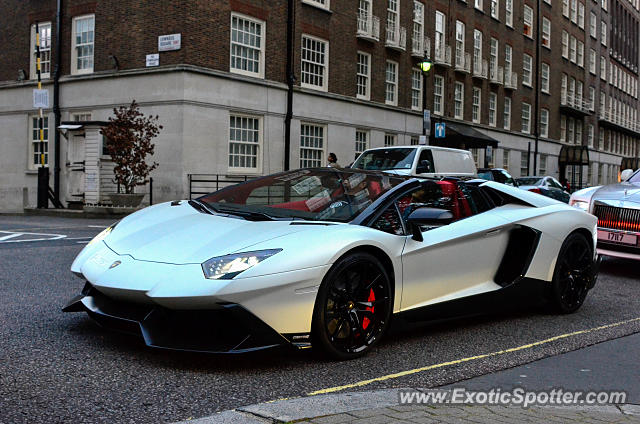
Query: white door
[[75, 167]]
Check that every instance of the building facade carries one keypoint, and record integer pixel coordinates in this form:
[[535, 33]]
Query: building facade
[[221, 93]]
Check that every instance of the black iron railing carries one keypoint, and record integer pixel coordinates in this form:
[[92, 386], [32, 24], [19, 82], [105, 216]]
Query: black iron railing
[[201, 184]]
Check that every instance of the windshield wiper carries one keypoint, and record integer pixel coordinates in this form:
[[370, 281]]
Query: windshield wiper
[[249, 215], [201, 207]]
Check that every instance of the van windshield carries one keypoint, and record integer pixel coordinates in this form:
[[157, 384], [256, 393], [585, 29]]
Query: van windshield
[[385, 159]]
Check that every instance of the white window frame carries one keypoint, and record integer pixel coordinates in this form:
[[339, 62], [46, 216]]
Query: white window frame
[[478, 4], [364, 76], [35, 141], [580, 58], [574, 11], [458, 100], [324, 65], [390, 139], [74, 46], [493, 108], [593, 25], [477, 48], [546, 33], [506, 114], [416, 90], [361, 144], [563, 128], [45, 50], [526, 118], [573, 49], [603, 68], [391, 85], [544, 123], [312, 162], [545, 75], [580, 15], [592, 62], [438, 95], [565, 44], [527, 68], [505, 159], [476, 111], [418, 21], [321, 4], [590, 135], [242, 142], [495, 9], [527, 16], [603, 33], [565, 8], [261, 56], [440, 29], [508, 13]]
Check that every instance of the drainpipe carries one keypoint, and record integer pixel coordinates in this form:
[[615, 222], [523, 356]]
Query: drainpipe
[[56, 102], [536, 108], [290, 81]]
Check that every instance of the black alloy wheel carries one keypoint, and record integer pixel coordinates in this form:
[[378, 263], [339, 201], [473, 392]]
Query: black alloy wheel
[[574, 274], [353, 307]]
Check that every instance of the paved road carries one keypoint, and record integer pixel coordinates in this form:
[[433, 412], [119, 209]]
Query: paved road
[[62, 367]]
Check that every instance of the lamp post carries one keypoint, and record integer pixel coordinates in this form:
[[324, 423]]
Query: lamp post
[[425, 67]]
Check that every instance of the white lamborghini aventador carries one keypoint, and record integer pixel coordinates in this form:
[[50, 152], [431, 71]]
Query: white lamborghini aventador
[[326, 257]]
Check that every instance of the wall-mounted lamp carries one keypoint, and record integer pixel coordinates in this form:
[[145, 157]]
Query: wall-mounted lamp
[[22, 75]]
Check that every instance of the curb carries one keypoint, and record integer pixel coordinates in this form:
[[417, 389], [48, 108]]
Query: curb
[[309, 407]]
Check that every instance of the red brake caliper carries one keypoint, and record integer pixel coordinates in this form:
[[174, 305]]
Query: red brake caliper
[[365, 320]]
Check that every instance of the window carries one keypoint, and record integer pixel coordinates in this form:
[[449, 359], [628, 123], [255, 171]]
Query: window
[[543, 165], [460, 39], [603, 33], [574, 11], [570, 130], [546, 33], [603, 103], [418, 23], [528, 21], [565, 8], [315, 54], [544, 123], [593, 25], [477, 49], [563, 89], [603, 68], [478, 4], [506, 116], [524, 164], [508, 67], [363, 78], [505, 159], [458, 98], [580, 59], [495, 8], [390, 140], [493, 101], [416, 89], [244, 143], [604, 4], [247, 46], [391, 83], [438, 95], [580, 15], [526, 69], [44, 29], [393, 7], [493, 59], [311, 145], [590, 134], [565, 44], [508, 12], [323, 4], [526, 118], [362, 142], [82, 40], [592, 61], [563, 128], [578, 132], [592, 99], [573, 49], [415, 141], [544, 79], [34, 148], [440, 37], [475, 106], [81, 116]]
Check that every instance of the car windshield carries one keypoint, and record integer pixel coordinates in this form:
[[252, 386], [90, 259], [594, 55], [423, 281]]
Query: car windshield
[[321, 194], [529, 181], [635, 178], [487, 175], [386, 159]]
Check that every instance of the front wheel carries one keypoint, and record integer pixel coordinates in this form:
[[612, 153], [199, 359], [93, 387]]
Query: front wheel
[[574, 274], [353, 307]]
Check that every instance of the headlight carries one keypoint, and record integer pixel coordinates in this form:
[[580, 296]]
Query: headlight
[[228, 266], [103, 234], [579, 204]]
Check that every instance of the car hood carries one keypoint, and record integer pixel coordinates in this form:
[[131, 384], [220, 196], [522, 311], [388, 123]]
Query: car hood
[[620, 192], [181, 235]]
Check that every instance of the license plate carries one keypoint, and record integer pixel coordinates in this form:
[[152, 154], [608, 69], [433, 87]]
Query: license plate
[[622, 238]]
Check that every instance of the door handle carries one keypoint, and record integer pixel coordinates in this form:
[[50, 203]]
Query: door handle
[[492, 232]]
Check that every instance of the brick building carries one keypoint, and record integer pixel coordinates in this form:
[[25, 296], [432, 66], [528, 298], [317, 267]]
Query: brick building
[[222, 96]]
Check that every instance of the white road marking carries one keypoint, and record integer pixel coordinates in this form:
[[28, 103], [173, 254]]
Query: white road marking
[[97, 226], [39, 237], [82, 242]]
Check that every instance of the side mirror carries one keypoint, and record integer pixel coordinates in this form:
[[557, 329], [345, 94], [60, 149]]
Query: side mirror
[[427, 216], [624, 175], [423, 166]]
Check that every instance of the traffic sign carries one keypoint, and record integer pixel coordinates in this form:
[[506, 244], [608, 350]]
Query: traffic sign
[[440, 130], [426, 121], [40, 99]]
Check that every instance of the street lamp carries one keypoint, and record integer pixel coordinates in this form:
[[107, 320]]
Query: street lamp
[[425, 67]]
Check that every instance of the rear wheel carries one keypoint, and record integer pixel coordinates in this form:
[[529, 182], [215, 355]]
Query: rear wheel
[[573, 275], [353, 307]]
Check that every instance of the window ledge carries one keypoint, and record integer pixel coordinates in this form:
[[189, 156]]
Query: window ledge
[[317, 6]]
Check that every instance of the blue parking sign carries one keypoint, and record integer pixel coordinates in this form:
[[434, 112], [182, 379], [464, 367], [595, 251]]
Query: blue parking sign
[[439, 130]]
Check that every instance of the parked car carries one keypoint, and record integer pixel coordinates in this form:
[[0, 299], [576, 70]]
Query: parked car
[[324, 257], [498, 175], [617, 207], [547, 186], [422, 161]]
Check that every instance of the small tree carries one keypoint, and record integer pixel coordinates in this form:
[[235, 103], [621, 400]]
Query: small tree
[[129, 136]]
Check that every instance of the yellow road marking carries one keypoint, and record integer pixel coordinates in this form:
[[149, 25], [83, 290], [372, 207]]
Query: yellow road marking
[[468, 359]]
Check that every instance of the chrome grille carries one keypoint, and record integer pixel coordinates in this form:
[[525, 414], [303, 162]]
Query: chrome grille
[[617, 218]]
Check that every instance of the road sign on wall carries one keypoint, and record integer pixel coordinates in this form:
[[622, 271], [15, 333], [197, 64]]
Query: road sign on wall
[[440, 130]]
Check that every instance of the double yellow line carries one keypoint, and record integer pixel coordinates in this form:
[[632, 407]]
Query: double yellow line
[[470, 358]]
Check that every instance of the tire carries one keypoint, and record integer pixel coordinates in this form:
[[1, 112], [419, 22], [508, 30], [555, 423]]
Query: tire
[[573, 275], [353, 307]]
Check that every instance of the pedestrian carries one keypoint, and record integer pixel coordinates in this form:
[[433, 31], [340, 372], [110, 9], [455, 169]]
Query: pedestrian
[[333, 161]]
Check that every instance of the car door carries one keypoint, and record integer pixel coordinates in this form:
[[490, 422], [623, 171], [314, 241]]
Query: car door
[[456, 260], [558, 191]]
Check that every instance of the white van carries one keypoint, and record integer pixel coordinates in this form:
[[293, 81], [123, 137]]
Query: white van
[[422, 161]]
